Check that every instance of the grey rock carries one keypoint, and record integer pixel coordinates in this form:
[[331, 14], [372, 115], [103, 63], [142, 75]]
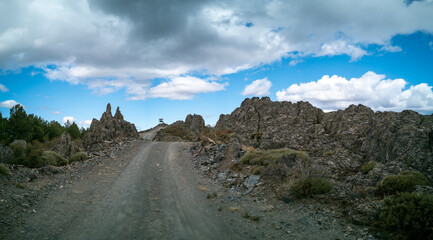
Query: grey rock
[[65, 147], [5, 153], [102, 132], [351, 137], [424, 189]]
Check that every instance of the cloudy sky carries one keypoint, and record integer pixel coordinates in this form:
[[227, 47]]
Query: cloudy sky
[[66, 59]]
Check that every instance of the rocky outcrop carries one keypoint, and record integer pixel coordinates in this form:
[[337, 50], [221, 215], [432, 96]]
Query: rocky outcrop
[[65, 147], [108, 129], [352, 136], [194, 123], [5, 153], [188, 130]]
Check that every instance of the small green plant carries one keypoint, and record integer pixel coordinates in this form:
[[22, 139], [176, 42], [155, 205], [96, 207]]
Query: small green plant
[[308, 187], [4, 170], [403, 182], [78, 157], [367, 167], [250, 217], [267, 157], [52, 158], [19, 185], [220, 209], [329, 153], [256, 170], [210, 196], [409, 213]]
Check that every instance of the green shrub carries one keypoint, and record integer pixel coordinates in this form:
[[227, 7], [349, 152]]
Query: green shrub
[[176, 131], [329, 153], [52, 158], [33, 156], [404, 182], [210, 196], [257, 170], [221, 136], [267, 157], [4, 170], [252, 218], [19, 185], [367, 167], [409, 213], [18, 154], [308, 187], [79, 156]]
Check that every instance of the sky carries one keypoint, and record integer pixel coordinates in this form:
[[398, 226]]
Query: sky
[[65, 60]]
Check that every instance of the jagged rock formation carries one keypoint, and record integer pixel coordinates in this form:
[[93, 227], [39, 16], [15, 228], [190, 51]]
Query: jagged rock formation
[[352, 136], [188, 130], [107, 129], [65, 147]]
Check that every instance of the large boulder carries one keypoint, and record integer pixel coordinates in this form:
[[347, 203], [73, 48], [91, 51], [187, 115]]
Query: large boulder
[[108, 129], [343, 139]]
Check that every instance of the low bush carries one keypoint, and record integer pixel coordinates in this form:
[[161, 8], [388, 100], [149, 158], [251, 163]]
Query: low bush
[[19, 185], [4, 170], [221, 136], [308, 187], [367, 167], [79, 156], [52, 158], [277, 171], [329, 153], [267, 157], [257, 170], [411, 214], [404, 182], [250, 217], [176, 131]]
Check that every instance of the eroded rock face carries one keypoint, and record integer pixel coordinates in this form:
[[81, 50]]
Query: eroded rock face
[[344, 139], [108, 129], [5, 153], [65, 147], [188, 130]]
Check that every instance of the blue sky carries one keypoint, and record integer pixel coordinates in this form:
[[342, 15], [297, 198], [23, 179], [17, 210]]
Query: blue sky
[[68, 59]]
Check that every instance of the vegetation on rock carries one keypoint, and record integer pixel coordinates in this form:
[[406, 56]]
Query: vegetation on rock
[[410, 214], [4, 170], [367, 167], [403, 182], [79, 156], [308, 187]]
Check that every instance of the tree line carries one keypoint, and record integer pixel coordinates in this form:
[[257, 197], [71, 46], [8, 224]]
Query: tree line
[[30, 127]]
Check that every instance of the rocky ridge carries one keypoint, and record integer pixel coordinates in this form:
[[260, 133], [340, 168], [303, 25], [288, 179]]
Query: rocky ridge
[[352, 136], [102, 132]]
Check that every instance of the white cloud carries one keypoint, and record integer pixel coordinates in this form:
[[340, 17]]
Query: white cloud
[[371, 89], [3, 88], [85, 123], [68, 118], [341, 47], [110, 45], [9, 103], [259, 87], [181, 88], [390, 48], [55, 112]]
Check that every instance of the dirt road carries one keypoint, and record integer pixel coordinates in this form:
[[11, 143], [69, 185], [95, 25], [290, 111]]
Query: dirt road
[[151, 193]]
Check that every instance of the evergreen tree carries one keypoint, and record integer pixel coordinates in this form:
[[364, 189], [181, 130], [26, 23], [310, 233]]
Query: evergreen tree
[[4, 130], [73, 131], [19, 125], [54, 129]]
